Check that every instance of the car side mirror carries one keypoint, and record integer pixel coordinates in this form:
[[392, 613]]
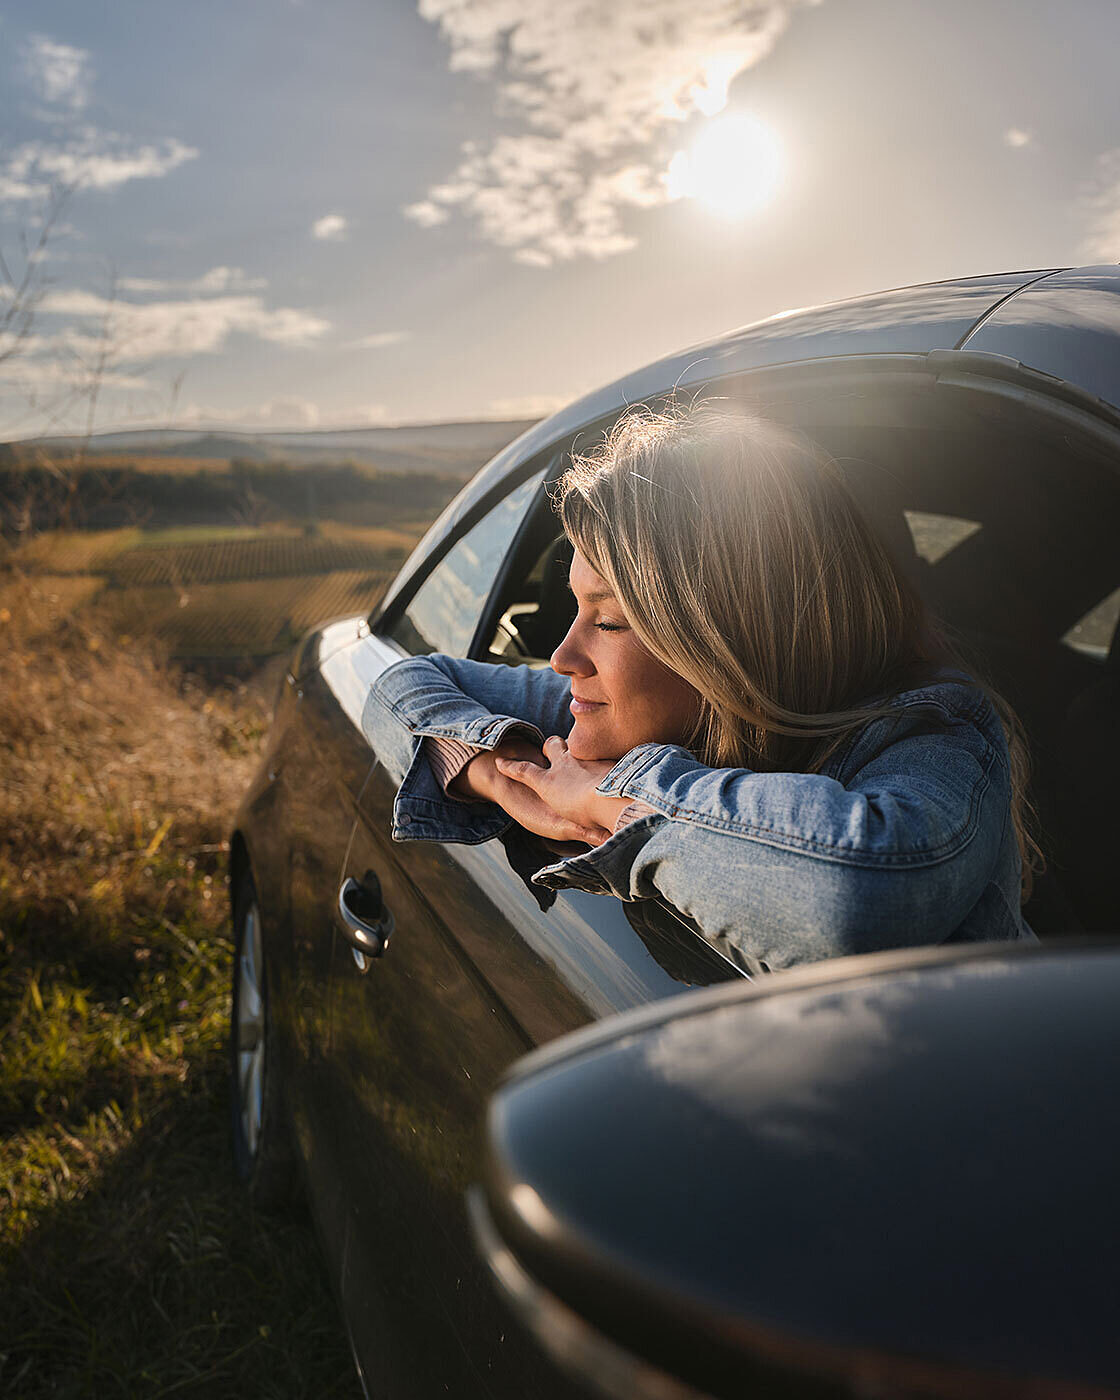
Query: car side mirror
[[886, 1176]]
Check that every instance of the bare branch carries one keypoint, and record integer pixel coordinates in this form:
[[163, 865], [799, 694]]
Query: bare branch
[[22, 295]]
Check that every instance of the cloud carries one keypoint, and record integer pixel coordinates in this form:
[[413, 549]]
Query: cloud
[[1016, 137], [1100, 207], [331, 228], [53, 373], [90, 160], [593, 95], [218, 279], [277, 415], [425, 213], [85, 157], [379, 340], [59, 73], [141, 331], [527, 406], [290, 412]]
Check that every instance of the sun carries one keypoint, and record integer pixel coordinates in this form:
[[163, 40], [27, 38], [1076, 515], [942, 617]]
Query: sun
[[734, 167]]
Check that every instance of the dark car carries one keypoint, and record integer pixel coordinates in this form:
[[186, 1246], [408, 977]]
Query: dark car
[[381, 991]]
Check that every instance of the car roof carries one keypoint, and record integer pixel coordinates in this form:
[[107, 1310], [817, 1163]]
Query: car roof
[[904, 320], [1062, 322]]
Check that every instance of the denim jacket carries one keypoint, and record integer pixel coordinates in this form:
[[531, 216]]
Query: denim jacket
[[904, 837]]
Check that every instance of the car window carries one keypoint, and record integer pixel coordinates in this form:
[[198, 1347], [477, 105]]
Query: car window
[[1008, 525], [1092, 635], [445, 610], [536, 607], [935, 535]]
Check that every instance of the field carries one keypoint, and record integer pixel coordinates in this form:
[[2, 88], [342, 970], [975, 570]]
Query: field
[[130, 1263], [207, 560], [208, 592]]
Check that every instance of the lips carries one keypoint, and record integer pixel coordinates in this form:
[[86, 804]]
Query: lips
[[584, 707]]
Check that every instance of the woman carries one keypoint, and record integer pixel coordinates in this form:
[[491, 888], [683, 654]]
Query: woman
[[752, 715]]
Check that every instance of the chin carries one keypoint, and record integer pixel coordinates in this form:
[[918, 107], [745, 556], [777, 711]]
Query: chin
[[590, 748]]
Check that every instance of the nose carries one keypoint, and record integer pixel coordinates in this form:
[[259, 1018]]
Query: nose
[[569, 658]]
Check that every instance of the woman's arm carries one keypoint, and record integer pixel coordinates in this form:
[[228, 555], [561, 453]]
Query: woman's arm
[[491, 708], [792, 867], [448, 697]]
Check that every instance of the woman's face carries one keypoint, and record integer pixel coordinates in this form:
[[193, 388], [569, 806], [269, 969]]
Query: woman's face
[[621, 694]]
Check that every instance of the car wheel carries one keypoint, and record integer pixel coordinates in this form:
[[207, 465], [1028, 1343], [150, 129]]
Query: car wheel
[[262, 1154]]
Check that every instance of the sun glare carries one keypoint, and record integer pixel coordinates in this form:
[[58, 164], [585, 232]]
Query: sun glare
[[734, 167]]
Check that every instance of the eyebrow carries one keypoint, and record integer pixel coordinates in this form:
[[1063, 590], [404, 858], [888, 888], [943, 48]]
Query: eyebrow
[[593, 597]]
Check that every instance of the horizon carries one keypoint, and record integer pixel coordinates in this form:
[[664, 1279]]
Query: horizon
[[228, 430]]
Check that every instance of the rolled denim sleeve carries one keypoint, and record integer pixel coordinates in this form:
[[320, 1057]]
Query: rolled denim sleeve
[[794, 867], [472, 702], [447, 697]]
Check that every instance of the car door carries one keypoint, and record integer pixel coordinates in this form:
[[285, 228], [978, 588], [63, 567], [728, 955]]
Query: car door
[[317, 774], [480, 967]]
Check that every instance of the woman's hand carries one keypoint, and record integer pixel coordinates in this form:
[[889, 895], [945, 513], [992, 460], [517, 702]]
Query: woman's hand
[[479, 778], [566, 787], [483, 778]]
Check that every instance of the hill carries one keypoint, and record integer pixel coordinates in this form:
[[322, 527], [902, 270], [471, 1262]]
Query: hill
[[453, 448]]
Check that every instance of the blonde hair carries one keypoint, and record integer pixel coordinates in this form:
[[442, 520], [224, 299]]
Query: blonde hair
[[745, 566]]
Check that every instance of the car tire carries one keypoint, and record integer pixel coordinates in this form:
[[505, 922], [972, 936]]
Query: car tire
[[263, 1160]]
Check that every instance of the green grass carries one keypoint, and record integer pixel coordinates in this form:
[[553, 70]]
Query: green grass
[[130, 1263]]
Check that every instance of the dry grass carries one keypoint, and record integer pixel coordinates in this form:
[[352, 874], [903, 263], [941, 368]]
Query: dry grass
[[129, 1265], [46, 603], [256, 617], [75, 551], [208, 591], [81, 460]]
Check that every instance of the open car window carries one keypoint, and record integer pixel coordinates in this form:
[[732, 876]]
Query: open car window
[[535, 606]]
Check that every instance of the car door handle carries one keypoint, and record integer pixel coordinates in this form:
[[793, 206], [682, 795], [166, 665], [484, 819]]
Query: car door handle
[[365, 922]]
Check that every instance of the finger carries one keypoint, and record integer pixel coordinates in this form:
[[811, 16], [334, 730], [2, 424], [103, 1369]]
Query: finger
[[593, 835], [520, 770], [554, 747]]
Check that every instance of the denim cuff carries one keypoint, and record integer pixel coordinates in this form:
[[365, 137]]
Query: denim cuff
[[484, 733], [421, 819], [629, 768], [422, 811], [604, 869]]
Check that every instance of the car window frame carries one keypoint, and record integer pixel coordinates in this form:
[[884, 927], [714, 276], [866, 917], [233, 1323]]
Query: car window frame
[[555, 457], [384, 617], [479, 649]]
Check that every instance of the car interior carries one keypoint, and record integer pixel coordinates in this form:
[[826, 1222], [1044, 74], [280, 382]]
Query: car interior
[[1006, 514]]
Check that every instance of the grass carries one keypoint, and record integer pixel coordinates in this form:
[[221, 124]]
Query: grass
[[75, 551], [203, 591], [130, 1265], [257, 617], [200, 534], [156, 463]]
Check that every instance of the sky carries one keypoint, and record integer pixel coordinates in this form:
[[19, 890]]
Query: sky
[[327, 213]]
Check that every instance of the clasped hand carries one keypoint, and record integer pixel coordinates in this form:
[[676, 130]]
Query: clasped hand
[[547, 791]]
